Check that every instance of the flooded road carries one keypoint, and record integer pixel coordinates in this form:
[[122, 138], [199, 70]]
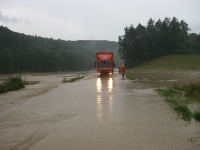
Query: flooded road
[[107, 113]]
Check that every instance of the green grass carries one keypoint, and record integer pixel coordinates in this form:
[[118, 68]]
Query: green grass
[[130, 77], [169, 92], [179, 102], [72, 79], [11, 83], [183, 111], [173, 62], [191, 90]]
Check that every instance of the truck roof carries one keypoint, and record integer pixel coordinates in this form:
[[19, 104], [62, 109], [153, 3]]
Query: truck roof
[[104, 55]]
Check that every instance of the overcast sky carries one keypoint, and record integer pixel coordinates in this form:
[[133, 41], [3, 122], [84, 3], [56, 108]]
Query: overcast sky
[[92, 19]]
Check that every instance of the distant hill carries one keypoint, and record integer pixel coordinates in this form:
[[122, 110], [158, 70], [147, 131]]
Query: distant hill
[[25, 53], [100, 46], [173, 62]]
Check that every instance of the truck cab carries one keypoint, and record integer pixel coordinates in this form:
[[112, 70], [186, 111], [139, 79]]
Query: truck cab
[[104, 63]]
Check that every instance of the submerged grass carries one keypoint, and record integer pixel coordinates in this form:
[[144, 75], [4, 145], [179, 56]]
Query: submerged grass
[[130, 77], [191, 90], [11, 83], [169, 92], [183, 111], [72, 79], [179, 103]]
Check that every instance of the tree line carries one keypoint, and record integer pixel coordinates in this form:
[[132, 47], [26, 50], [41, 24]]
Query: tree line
[[159, 38], [25, 53]]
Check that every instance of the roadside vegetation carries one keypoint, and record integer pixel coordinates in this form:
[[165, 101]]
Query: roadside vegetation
[[185, 100], [191, 90], [158, 38], [130, 77], [72, 79], [172, 62], [11, 83]]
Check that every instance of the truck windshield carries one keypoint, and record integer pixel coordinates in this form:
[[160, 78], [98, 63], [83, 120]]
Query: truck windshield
[[104, 64]]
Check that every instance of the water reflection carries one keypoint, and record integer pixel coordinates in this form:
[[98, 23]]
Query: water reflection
[[104, 99], [110, 108], [98, 85], [99, 107], [110, 85]]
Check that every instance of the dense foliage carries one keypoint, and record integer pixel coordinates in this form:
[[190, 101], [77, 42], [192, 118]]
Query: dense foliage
[[159, 38], [11, 83], [25, 53]]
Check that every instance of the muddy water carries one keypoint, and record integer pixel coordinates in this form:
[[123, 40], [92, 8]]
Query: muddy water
[[96, 113]]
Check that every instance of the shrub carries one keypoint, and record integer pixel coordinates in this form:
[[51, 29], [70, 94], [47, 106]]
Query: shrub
[[11, 83], [197, 115], [183, 111]]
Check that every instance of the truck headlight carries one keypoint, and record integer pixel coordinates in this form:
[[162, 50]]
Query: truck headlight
[[110, 73]]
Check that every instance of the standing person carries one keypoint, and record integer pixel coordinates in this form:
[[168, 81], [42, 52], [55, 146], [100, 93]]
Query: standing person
[[123, 69], [119, 69]]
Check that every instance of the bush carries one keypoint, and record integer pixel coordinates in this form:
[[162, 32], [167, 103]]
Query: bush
[[184, 112], [11, 83], [197, 115], [2, 89]]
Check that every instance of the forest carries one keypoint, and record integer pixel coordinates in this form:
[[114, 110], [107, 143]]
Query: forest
[[25, 53], [156, 39]]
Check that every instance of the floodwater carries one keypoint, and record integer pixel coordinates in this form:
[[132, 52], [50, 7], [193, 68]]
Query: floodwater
[[107, 113]]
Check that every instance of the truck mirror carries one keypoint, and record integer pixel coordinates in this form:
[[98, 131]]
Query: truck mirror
[[95, 64], [113, 63]]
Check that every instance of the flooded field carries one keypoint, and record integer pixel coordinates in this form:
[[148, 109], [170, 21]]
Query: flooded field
[[96, 113]]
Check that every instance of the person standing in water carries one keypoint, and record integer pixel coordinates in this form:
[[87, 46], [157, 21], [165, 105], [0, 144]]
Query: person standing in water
[[123, 69]]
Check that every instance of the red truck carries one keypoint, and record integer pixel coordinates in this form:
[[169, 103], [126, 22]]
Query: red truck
[[104, 63]]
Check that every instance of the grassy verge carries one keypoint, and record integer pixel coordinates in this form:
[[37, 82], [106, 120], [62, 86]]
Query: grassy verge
[[72, 79], [130, 77], [180, 97], [11, 83], [191, 90], [173, 62]]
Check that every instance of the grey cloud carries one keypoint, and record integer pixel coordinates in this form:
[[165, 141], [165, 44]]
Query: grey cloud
[[14, 20], [8, 19], [26, 21], [4, 18]]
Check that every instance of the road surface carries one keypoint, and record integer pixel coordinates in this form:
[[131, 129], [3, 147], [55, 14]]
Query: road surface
[[93, 113]]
